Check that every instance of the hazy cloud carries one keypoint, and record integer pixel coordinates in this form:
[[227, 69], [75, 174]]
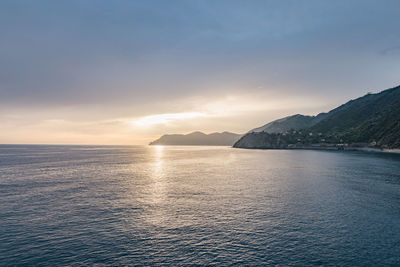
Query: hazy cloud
[[394, 50], [84, 61]]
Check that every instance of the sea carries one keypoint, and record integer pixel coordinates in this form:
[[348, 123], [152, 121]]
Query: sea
[[182, 206]]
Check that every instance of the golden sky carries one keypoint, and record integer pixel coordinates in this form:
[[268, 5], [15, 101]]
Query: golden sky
[[96, 125]]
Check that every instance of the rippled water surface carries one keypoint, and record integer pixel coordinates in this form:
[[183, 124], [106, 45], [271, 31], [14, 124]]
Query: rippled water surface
[[86, 205]]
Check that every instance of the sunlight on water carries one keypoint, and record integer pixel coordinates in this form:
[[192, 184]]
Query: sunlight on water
[[157, 170], [83, 205]]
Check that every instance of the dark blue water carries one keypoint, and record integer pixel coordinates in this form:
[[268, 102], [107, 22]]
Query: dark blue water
[[76, 205]]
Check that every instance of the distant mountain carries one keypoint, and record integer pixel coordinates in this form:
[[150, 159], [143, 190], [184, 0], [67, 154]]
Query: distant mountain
[[198, 139], [371, 120], [297, 121]]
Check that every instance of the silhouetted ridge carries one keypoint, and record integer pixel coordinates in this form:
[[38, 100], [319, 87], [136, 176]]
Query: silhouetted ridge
[[198, 138]]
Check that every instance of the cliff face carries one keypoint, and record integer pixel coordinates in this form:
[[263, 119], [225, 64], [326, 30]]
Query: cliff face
[[262, 140], [373, 119], [198, 139]]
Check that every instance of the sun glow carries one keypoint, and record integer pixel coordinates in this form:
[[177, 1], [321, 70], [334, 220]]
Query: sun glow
[[166, 118], [159, 148]]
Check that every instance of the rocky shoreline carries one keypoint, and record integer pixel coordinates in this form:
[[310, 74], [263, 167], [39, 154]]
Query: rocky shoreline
[[329, 148]]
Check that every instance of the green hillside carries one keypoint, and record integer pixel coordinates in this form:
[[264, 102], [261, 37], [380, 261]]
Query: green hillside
[[373, 120], [296, 122], [373, 117]]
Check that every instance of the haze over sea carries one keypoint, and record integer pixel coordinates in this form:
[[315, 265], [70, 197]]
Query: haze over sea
[[139, 205]]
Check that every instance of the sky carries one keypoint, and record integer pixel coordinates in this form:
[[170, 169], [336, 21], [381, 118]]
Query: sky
[[126, 72]]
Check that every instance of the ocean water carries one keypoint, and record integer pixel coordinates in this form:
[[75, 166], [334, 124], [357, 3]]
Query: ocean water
[[139, 205]]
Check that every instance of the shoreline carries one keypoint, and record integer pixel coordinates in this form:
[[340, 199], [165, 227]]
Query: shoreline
[[362, 149]]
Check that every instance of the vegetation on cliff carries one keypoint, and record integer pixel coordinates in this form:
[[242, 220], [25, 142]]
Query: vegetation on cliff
[[372, 120]]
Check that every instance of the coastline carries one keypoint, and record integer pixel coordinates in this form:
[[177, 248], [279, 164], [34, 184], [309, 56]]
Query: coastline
[[330, 148]]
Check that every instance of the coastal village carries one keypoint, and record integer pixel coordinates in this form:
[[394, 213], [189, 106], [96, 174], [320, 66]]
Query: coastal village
[[293, 139]]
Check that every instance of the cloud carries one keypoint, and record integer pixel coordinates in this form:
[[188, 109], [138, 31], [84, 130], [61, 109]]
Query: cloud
[[394, 50], [127, 70], [166, 118]]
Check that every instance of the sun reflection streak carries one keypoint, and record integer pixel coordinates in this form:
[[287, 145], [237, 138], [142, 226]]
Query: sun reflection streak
[[157, 174], [158, 160], [157, 188]]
